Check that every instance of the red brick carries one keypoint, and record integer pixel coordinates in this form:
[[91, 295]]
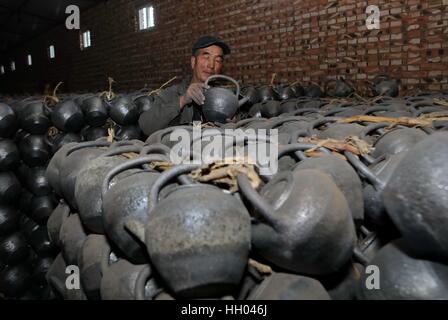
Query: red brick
[[300, 40]]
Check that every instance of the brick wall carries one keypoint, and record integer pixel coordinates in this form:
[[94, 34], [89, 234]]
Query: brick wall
[[299, 40]]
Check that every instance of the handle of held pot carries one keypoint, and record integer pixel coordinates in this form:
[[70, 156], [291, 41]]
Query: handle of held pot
[[257, 201], [128, 165], [364, 170], [221, 76], [165, 178]]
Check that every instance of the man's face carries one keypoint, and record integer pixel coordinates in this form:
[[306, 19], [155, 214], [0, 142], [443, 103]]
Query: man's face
[[207, 62]]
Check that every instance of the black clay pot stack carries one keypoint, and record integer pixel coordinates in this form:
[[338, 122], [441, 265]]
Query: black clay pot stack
[[15, 273], [26, 200], [75, 202]]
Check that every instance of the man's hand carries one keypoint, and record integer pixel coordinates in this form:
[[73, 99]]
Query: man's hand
[[194, 93]]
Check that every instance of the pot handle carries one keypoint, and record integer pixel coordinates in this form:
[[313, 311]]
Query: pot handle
[[169, 130], [160, 148], [364, 170], [221, 76], [164, 178], [88, 144], [377, 108], [300, 147], [297, 148], [126, 143], [323, 121], [244, 122], [128, 165], [426, 109], [306, 110], [157, 148], [319, 106], [299, 133], [244, 139], [209, 133], [259, 203], [333, 111], [121, 150], [373, 127]]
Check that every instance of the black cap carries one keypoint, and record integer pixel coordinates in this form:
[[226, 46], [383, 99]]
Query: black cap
[[207, 41]]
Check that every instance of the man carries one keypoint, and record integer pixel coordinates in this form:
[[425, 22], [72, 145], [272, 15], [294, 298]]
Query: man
[[180, 104]]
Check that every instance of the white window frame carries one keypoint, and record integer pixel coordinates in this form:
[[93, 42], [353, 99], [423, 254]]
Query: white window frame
[[29, 60], [51, 52], [85, 40], [2, 69], [13, 66], [146, 18]]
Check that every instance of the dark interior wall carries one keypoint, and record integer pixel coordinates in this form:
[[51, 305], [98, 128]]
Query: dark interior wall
[[298, 40]]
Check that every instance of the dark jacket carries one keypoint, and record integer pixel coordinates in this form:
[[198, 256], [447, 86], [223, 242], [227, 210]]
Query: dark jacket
[[166, 111]]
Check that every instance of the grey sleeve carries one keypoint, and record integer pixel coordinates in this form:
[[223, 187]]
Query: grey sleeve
[[164, 110]]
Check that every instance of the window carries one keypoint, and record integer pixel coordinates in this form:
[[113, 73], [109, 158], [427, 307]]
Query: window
[[51, 53], [13, 66], [29, 60], [2, 70], [85, 41], [146, 18]]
